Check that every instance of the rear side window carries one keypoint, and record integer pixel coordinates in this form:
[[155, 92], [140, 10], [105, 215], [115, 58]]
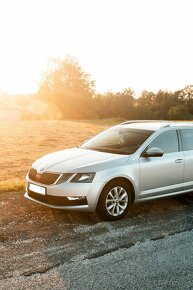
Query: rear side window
[[187, 139], [167, 141]]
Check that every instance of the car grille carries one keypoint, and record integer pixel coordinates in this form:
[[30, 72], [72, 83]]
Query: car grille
[[44, 178], [57, 200]]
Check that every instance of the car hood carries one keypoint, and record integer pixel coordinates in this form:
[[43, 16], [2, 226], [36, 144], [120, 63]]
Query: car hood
[[78, 160]]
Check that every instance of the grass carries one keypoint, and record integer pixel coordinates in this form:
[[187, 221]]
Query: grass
[[22, 142], [15, 184]]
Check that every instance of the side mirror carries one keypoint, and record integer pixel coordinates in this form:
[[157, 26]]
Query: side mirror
[[153, 152]]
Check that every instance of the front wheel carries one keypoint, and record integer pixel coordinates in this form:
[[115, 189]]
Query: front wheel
[[114, 201]]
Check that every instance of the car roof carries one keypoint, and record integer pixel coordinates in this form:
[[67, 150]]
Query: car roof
[[155, 125]]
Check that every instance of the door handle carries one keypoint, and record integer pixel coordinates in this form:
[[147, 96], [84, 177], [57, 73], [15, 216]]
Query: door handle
[[179, 160]]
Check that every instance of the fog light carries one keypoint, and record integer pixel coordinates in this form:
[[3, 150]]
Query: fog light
[[75, 198]]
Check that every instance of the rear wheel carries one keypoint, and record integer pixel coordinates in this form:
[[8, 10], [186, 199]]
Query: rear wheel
[[114, 201]]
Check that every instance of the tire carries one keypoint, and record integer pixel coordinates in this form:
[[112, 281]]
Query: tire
[[114, 201]]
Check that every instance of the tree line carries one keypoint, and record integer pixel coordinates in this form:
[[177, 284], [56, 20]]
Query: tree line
[[65, 85], [162, 105]]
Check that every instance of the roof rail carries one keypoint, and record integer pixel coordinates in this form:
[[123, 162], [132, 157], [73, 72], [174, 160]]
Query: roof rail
[[165, 126], [144, 121], [182, 123]]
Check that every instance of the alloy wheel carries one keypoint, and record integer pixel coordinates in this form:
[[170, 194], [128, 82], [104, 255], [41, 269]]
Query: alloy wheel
[[116, 201]]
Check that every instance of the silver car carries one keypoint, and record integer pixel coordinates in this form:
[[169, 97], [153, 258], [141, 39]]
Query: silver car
[[131, 162]]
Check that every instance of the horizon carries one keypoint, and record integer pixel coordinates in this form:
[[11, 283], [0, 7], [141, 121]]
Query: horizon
[[121, 44]]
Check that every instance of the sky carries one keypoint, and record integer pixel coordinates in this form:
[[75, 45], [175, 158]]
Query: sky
[[141, 44]]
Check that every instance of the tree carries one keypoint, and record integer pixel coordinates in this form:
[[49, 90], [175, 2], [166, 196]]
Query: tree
[[163, 101], [186, 95], [179, 112], [123, 104], [102, 105], [144, 105], [114, 105], [66, 85]]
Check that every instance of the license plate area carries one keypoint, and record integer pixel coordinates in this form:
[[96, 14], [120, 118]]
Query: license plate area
[[37, 188]]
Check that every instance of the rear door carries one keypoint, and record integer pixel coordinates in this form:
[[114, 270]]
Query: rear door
[[187, 145], [162, 175]]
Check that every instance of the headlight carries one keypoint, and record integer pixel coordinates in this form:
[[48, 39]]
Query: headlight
[[64, 177], [83, 177]]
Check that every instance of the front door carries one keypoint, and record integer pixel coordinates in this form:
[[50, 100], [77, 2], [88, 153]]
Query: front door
[[162, 175]]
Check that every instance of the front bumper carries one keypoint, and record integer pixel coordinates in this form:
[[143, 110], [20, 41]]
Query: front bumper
[[48, 203], [68, 196]]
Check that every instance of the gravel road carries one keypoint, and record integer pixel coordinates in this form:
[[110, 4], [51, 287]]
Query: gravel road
[[41, 248]]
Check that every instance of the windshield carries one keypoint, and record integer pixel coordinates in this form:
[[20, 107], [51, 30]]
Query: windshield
[[118, 140]]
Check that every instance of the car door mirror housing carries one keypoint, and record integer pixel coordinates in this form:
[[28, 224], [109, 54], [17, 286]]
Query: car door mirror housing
[[153, 152]]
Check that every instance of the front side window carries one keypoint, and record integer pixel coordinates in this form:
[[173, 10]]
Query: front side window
[[118, 140], [167, 141], [187, 139]]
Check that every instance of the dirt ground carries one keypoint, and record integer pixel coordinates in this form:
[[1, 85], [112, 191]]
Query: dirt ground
[[42, 248]]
